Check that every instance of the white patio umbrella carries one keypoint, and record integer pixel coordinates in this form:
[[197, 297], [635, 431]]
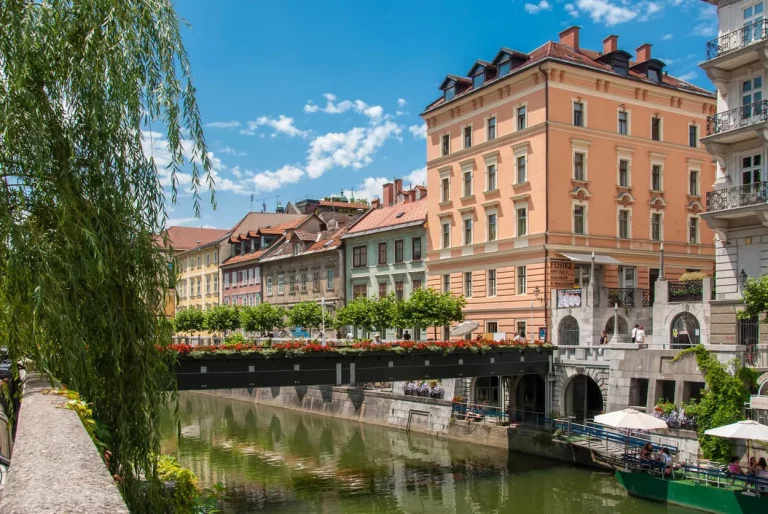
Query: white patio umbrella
[[630, 419], [748, 429], [464, 328]]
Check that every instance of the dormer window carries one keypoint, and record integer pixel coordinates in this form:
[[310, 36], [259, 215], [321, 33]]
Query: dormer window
[[450, 93], [479, 78], [654, 75], [505, 67], [621, 65], [296, 249]]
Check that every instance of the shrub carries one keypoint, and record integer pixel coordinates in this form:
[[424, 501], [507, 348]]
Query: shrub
[[692, 275]]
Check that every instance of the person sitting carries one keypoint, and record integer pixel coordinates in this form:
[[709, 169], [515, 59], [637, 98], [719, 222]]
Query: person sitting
[[761, 470], [377, 339], [647, 452], [667, 460], [734, 467], [406, 336], [519, 338], [752, 465]]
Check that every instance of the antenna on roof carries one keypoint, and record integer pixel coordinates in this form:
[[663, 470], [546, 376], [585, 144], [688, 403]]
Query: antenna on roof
[[264, 206]]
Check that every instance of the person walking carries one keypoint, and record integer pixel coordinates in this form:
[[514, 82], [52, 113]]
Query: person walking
[[640, 335], [634, 332]]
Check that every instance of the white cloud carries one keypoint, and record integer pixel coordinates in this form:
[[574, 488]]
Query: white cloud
[[705, 30], [374, 112], [570, 9], [666, 37], [182, 222], [271, 180], [372, 186], [231, 151], [688, 76], [604, 11], [401, 102], [236, 172], [351, 149], [418, 131], [282, 125], [417, 177], [543, 5], [155, 146], [223, 124]]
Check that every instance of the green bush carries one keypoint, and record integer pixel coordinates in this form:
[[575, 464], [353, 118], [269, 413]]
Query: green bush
[[185, 493]]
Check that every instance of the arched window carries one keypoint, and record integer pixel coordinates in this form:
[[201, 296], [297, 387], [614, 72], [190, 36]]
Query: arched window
[[684, 331], [568, 331]]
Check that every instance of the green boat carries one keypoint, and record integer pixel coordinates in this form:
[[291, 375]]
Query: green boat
[[698, 488]]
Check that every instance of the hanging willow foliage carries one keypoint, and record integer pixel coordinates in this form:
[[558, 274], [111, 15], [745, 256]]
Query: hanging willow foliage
[[82, 280]]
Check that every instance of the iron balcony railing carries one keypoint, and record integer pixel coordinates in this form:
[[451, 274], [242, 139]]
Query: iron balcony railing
[[621, 296], [740, 117], [685, 291], [737, 196], [746, 35]]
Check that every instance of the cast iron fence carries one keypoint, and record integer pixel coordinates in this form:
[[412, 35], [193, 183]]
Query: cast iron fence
[[737, 196], [740, 38], [687, 291], [623, 296], [740, 117]]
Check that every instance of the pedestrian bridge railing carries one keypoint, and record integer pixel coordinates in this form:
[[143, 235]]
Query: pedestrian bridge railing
[[598, 435], [492, 415]]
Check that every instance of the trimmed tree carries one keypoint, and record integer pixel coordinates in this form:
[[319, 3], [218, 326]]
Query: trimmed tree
[[189, 320], [307, 315], [356, 313], [382, 312], [221, 318], [428, 308], [262, 318]]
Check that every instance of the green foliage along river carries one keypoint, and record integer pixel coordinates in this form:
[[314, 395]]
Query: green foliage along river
[[276, 460]]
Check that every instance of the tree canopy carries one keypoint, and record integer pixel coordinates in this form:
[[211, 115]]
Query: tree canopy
[[85, 88], [221, 318], [189, 320], [307, 315], [264, 317]]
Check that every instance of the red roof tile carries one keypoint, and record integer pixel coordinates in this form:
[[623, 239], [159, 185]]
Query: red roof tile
[[239, 259], [387, 217], [582, 57], [342, 205], [324, 241], [187, 238]]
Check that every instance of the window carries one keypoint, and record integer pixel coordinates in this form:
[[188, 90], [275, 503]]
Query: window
[[447, 234], [467, 231], [656, 177], [292, 284], [315, 281], [269, 286], [654, 74], [478, 79], [445, 189], [491, 273], [521, 122], [751, 94], [491, 327], [578, 166], [446, 283], [578, 114], [399, 291], [522, 280], [522, 172], [359, 256], [624, 173], [467, 137], [208, 284], [226, 280], [578, 219], [621, 65], [656, 226], [467, 183], [215, 283], [504, 67], [329, 280], [468, 284], [490, 177], [522, 221], [416, 249], [446, 144], [296, 249], [280, 284], [656, 129], [303, 282], [751, 167], [693, 136], [399, 250], [207, 259], [250, 276], [623, 123], [198, 285], [491, 128], [416, 285], [623, 224], [753, 16], [360, 290], [383, 253], [450, 93], [693, 230], [693, 182], [492, 227], [382, 289], [198, 261]]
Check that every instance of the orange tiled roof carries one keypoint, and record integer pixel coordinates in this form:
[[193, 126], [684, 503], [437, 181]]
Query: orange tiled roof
[[581, 57], [239, 259], [323, 241], [187, 238], [391, 217], [342, 205]]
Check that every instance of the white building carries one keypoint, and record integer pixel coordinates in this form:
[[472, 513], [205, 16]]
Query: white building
[[737, 137]]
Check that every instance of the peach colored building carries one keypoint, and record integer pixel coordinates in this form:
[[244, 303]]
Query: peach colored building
[[538, 159]]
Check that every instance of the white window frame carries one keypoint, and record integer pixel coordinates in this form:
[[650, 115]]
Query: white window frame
[[467, 291], [329, 279], [698, 133], [629, 172], [488, 292], [629, 121], [519, 206], [464, 220], [226, 280], [487, 331], [491, 160], [585, 205], [207, 259], [280, 283], [518, 282], [660, 164], [583, 103], [688, 229], [445, 194], [443, 283], [471, 136], [580, 146], [628, 208], [442, 137], [517, 116], [467, 169], [661, 225], [698, 181], [442, 234], [488, 214], [520, 151], [256, 275], [487, 127], [216, 283], [216, 257], [661, 127]]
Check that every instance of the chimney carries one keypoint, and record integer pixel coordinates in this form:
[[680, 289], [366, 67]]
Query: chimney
[[398, 187], [375, 203], [643, 52], [389, 194], [610, 44], [570, 37]]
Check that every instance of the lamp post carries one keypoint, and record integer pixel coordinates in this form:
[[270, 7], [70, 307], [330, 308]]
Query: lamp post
[[615, 338], [591, 286], [531, 329], [743, 280], [322, 313], [661, 262]]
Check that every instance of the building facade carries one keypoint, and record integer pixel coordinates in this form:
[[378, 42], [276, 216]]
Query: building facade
[[737, 209], [305, 264], [536, 160], [386, 248]]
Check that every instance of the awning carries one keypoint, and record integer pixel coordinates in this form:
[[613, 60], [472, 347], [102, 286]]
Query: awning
[[586, 258]]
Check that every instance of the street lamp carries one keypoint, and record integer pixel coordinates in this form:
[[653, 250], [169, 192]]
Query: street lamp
[[743, 280], [322, 312]]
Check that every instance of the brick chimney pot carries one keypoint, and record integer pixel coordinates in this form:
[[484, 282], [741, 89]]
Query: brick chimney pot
[[570, 37], [610, 44]]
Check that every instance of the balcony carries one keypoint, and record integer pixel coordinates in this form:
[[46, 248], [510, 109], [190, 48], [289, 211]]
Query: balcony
[[737, 125], [735, 49], [736, 197], [685, 292]]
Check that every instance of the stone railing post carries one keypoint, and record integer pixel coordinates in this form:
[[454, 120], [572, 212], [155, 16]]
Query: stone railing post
[[706, 290], [638, 297], [662, 291]]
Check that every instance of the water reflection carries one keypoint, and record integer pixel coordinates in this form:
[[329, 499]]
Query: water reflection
[[275, 460]]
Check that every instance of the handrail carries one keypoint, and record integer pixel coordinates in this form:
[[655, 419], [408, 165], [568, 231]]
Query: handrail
[[740, 117], [607, 435], [737, 196], [487, 414], [739, 38]]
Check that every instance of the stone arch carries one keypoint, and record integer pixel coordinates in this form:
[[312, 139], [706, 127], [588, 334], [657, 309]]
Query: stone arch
[[530, 385], [486, 390], [684, 330], [565, 376], [568, 331], [583, 396], [762, 384], [623, 326]]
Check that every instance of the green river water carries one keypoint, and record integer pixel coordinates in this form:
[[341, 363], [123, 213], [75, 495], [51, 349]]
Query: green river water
[[276, 460]]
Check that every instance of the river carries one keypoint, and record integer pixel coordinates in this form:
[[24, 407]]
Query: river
[[281, 461]]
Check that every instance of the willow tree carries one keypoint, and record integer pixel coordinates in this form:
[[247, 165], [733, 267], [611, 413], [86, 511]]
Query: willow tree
[[82, 280]]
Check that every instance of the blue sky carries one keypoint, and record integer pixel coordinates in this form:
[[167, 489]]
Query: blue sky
[[309, 98]]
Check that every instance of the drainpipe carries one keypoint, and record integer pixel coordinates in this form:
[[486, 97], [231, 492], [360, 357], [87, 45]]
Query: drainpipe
[[546, 200]]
